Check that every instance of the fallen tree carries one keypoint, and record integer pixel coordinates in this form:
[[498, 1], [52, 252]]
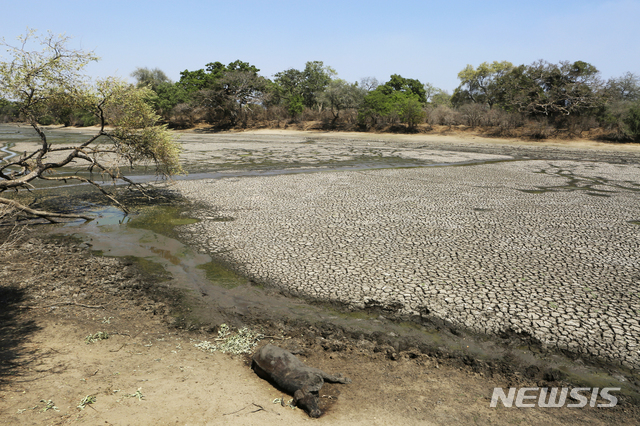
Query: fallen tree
[[49, 80]]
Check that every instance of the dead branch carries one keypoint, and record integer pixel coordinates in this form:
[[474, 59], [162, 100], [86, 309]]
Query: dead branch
[[260, 408], [40, 213], [63, 304], [89, 181]]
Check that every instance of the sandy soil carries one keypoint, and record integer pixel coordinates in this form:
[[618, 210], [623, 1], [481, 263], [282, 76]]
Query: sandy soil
[[148, 371], [436, 134], [55, 293]]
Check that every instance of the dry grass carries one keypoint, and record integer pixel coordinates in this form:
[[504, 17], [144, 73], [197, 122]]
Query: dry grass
[[10, 233]]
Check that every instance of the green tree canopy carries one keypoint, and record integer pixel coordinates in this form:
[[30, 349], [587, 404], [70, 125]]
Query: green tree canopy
[[152, 78], [551, 90], [210, 76], [309, 84], [224, 91], [399, 97], [398, 83], [340, 95], [478, 85]]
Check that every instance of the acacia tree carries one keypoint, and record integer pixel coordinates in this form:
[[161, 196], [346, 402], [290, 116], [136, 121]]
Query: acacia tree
[[341, 95], [478, 85], [52, 75], [152, 78], [549, 90]]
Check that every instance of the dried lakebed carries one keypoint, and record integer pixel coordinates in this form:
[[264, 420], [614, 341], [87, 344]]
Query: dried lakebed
[[499, 237], [543, 248]]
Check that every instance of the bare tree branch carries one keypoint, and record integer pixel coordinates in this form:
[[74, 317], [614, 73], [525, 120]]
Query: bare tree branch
[[40, 213], [48, 80]]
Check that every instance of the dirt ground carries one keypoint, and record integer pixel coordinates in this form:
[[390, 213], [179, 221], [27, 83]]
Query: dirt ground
[[54, 293]]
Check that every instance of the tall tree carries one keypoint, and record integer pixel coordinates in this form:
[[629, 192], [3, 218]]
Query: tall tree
[[316, 77], [225, 90], [621, 115], [399, 97], [551, 90], [36, 79], [409, 85], [340, 95], [478, 85], [625, 88], [151, 78], [308, 84], [369, 83]]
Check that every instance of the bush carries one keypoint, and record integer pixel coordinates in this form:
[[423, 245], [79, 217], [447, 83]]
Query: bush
[[411, 112], [86, 119], [182, 116], [540, 129], [506, 122], [442, 115], [296, 106], [621, 120], [472, 114], [8, 111], [46, 120], [578, 124], [632, 121]]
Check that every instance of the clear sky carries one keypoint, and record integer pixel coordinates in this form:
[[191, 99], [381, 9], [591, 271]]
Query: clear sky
[[428, 40]]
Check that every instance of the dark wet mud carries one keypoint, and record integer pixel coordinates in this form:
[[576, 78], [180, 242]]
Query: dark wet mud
[[216, 293]]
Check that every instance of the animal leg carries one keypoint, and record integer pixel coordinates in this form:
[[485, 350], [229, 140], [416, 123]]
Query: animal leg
[[335, 379]]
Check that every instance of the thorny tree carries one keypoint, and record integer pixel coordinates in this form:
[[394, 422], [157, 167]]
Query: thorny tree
[[40, 80]]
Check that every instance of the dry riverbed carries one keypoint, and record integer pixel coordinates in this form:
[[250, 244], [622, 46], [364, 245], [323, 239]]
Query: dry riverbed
[[528, 241], [148, 370]]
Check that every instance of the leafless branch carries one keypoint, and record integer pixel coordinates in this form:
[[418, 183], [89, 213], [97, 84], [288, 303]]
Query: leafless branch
[[40, 213]]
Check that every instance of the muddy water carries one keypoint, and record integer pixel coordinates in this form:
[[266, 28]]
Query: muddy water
[[12, 133], [145, 236], [218, 294]]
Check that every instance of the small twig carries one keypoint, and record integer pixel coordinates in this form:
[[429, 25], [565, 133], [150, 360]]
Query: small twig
[[123, 345], [61, 304], [260, 408]]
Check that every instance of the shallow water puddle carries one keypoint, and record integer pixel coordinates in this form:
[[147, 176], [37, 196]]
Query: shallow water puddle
[[6, 148], [147, 239], [220, 294]]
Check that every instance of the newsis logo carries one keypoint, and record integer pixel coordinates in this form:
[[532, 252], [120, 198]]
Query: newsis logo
[[553, 397]]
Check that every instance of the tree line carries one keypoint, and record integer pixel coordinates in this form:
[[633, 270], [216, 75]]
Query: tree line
[[537, 100]]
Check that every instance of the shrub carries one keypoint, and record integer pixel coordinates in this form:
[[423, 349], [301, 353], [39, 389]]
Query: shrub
[[632, 121], [540, 129], [442, 115], [46, 120], [472, 114]]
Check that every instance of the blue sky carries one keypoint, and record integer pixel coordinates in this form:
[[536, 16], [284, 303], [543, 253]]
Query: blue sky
[[428, 40]]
